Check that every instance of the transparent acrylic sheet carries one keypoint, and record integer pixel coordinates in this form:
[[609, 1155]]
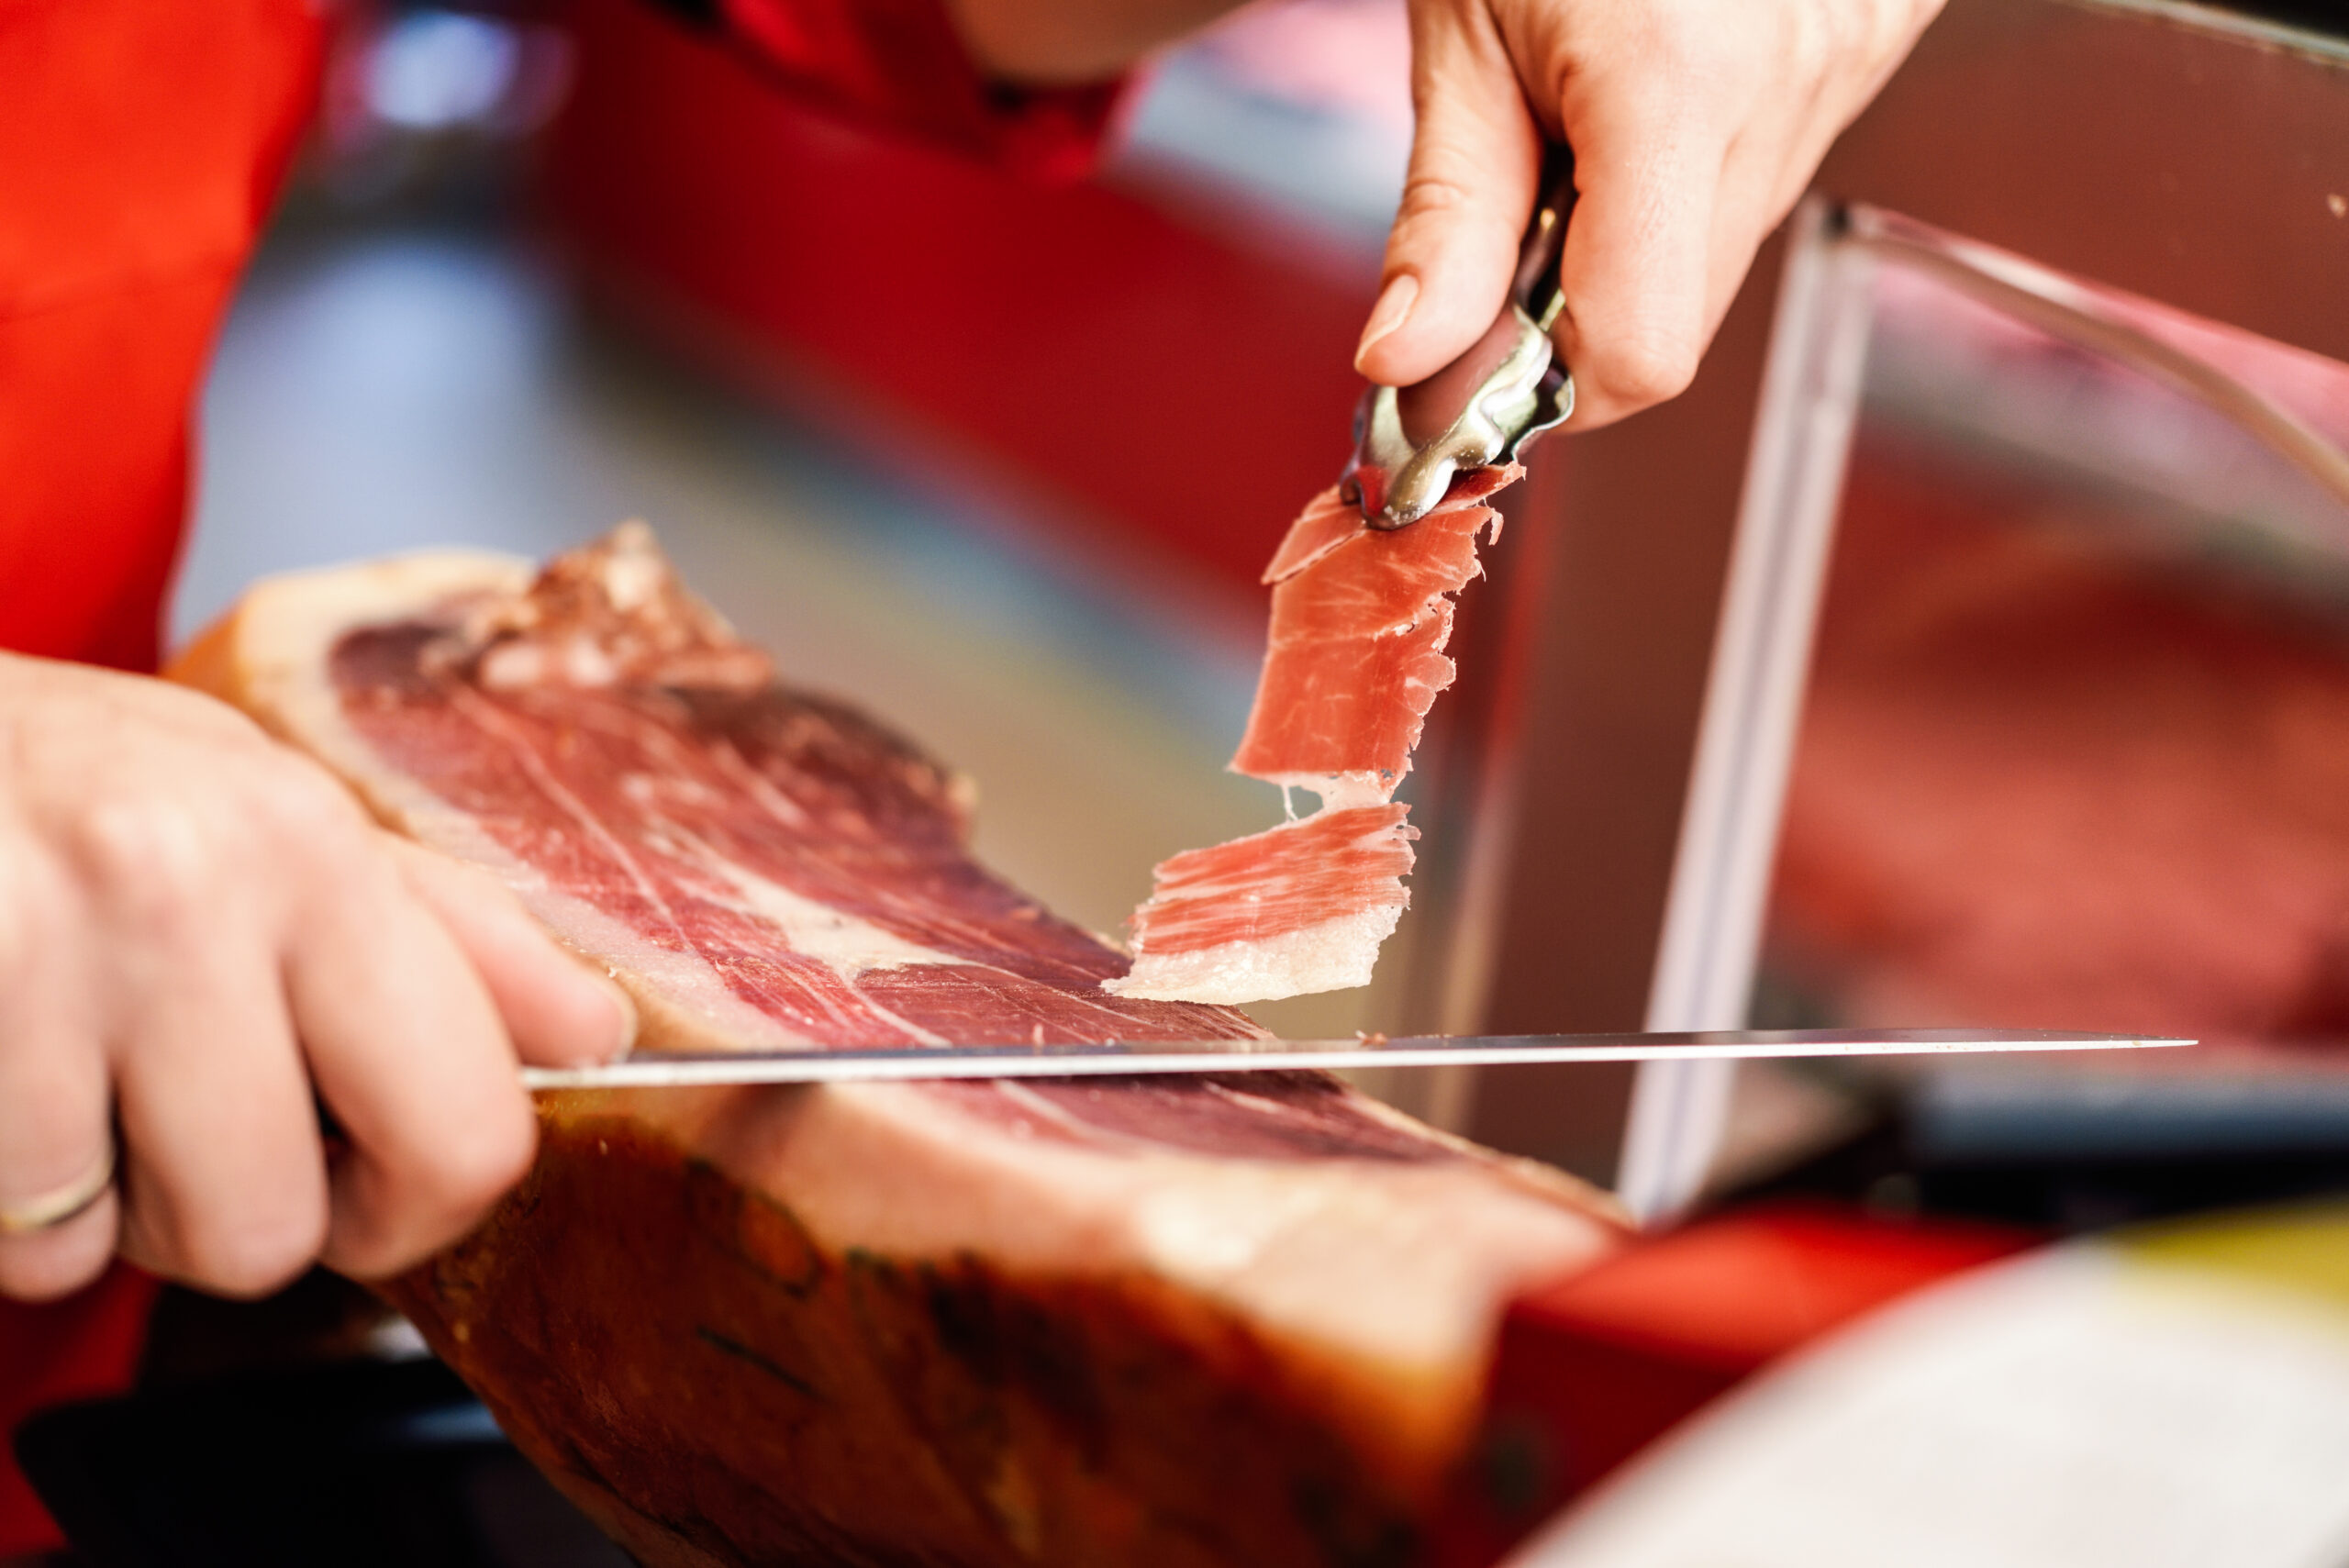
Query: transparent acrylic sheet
[[2198, 453]]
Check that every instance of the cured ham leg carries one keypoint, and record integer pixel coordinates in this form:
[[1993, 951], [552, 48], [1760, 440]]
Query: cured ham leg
[[1197, 1321], [1353, 661]]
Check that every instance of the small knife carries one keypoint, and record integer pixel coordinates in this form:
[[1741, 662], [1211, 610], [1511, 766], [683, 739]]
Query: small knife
[[1135, 1058]]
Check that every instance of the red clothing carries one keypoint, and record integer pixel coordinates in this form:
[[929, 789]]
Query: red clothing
[[143, 142], [142, 145], [898, 64], [78, 1349]]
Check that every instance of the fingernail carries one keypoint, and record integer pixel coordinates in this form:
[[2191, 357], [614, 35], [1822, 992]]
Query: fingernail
[[626, 1007], [1395, 302]]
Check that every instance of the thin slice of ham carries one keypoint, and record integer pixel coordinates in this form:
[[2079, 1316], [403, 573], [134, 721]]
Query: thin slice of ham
[[1239, 1318], [1353, 660], [1251, 919]]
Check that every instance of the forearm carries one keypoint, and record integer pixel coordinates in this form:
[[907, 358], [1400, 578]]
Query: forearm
[[1054, 42]]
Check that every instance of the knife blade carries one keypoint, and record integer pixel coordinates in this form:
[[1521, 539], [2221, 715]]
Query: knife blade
[[1136, 1058]]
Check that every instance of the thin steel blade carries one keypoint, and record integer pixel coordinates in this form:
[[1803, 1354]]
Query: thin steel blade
[[1126, 1059]]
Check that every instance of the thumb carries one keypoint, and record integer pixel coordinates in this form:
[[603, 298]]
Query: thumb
[[558, 1010], [1476, 156]]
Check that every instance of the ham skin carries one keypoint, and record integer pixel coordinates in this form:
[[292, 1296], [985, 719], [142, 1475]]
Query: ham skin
[[1353, 660], [1238, 1318]]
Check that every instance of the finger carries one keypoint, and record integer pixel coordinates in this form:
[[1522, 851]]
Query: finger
[[54, 1114], [1775, 160], [559, 1011], [224, 1179], [1768, 169], [1637, 271], [407, 1050], [1476, 156], [1760, 183]]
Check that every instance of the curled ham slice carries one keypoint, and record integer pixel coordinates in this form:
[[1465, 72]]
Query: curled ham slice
[[1255, 917], [1353, 660]]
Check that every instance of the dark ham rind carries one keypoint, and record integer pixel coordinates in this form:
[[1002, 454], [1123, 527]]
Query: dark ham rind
[[1213, 1320], [1354, 661], [806, 1405]]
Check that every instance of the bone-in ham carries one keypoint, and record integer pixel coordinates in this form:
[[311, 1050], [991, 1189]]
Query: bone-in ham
[[1353, 660], [1236, 1318]]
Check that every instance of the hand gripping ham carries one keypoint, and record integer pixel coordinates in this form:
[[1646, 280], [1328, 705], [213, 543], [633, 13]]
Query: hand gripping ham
[[1207, 1321]]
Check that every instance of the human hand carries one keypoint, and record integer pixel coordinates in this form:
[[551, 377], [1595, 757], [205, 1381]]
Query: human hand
[[199, 932], [1696, 125]]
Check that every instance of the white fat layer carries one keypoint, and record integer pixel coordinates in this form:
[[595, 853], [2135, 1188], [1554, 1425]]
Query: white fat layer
[[631, 577], [288, 627], [1338, 792], [576, 661], [1188, 1233], [1306, 1251], [1334, 955], [849, 945]]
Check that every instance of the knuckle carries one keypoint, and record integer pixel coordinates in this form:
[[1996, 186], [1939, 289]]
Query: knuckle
[[1686, 43], [304, 804], [1644, 369], [320, 831], [448, 1185], [481, 1167], [1816, 38], [149, 858], [51, 1267], [263, 1248], [1871, 28], [1434, 196]]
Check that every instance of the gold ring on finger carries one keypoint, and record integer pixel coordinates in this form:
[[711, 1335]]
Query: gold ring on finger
[[62, 1204]]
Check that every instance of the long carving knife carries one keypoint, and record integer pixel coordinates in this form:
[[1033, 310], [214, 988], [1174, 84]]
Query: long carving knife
[[1135, 1058]]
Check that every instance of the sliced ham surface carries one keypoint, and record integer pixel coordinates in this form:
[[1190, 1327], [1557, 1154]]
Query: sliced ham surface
[[1229, 1319], [1354, 661]]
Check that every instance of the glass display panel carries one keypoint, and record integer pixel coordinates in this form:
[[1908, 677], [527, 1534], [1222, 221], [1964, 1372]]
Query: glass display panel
[[2075, 747]]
